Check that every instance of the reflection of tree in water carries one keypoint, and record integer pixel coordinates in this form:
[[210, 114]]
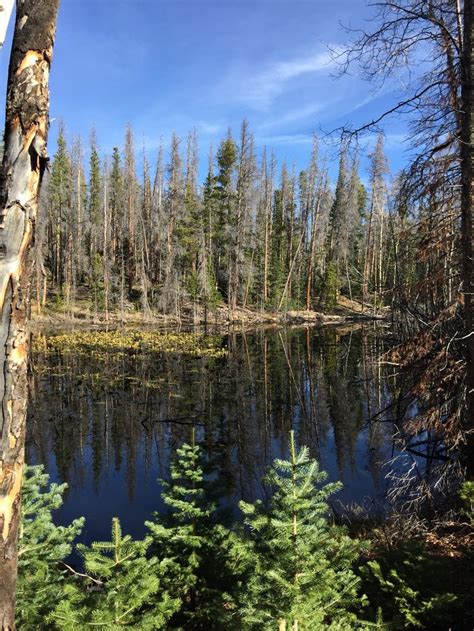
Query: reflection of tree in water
[[93, 415], [345, 406], [378, 385]]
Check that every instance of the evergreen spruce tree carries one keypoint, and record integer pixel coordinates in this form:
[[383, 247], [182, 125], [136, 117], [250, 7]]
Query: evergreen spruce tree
[[126, 590], [78, 257], [41, 546], [206, 568], [336, 240], [172, 216], [57, 211], [225, 211], [95, 219], [94, 194], [210, 195], [356, 240], [278, 243], [117, 235], [302, 576]]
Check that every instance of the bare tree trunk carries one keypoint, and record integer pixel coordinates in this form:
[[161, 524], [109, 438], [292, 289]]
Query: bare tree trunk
[[105, 252], [380, 262], [312, 250], [26, 129], [467, 202], [368, 250], [130, 253], [267, 220], [287, 288]]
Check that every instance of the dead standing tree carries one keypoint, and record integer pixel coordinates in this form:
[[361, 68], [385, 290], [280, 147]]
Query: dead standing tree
[[26, 129], [467, 211], [439, 106]]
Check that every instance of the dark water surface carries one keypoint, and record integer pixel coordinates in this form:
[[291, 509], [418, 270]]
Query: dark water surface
[[108, 429]]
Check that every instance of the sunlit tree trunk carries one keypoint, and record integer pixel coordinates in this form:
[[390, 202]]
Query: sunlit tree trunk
[[131, 192], [26, 128], [106, 255], [267, 218]]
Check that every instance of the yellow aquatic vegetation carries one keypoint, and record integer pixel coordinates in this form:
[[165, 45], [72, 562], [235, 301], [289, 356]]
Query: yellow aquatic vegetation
[[120, 342]]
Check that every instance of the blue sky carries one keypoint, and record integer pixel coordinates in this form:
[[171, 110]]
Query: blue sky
[[165, 65]]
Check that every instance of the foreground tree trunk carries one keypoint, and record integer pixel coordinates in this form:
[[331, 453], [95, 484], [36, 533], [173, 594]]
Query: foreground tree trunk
[[467, 203], [26, 128]]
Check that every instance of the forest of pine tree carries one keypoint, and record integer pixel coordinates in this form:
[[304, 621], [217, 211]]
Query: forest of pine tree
[[123, 234]]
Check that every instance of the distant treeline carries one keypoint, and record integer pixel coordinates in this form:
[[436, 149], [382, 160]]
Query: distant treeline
[[252, 234]]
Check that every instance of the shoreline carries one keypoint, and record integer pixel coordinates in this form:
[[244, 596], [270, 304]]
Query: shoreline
[[346, 313]]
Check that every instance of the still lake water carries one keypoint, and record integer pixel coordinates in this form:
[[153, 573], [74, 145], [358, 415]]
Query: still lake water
[[108, 429]]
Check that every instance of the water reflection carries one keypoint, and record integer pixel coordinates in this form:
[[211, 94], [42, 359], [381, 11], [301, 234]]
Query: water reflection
[[108, 428]]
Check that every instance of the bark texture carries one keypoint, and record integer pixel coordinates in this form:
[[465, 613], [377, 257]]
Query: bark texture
[[24, 161], [467, 157]]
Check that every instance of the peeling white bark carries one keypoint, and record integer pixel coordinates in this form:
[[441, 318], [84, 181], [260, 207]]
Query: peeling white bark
[[24, 161]]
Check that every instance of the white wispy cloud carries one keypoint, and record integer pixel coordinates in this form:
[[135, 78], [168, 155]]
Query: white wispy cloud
[[260, 90], [284, 139], [205, 128], [298, 114]]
